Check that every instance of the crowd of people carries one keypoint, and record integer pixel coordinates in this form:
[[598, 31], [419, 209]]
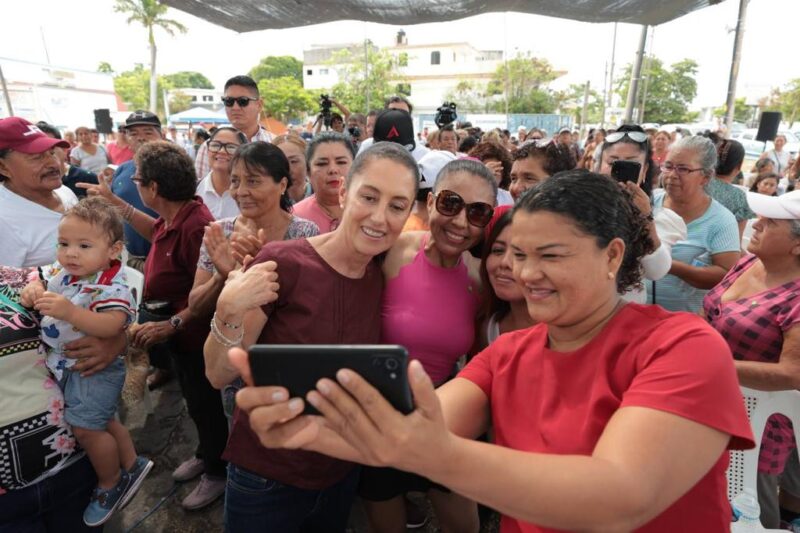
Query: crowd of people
[[579, 315]]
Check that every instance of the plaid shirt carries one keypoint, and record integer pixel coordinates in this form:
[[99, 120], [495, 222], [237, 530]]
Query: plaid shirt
[[201, 164], [754, 328]]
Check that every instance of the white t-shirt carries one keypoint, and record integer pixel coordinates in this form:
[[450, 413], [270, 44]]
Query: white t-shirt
[[29, 231], [504, 198], [416, 153], [220, 206]]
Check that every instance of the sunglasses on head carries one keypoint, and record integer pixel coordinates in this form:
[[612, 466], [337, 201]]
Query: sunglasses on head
[[243, 101], [450, 204], [635, 136]]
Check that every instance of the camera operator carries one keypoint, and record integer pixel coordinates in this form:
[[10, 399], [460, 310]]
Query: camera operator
[[332, 121], [357, 127]]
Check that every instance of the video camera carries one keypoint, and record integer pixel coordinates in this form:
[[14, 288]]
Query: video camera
[[445, 114], [355, 132], [325, 105]]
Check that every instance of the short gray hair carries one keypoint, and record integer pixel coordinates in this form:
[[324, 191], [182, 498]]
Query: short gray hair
[[796, 229], [705, 149]]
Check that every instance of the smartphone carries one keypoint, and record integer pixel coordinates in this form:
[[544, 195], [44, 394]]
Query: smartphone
[[624, 171], [298, 368]]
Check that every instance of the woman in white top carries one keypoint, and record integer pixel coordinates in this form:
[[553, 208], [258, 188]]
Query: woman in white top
[[779, 157], [214, 187], [88, 155], [630, 143], [32, 197]]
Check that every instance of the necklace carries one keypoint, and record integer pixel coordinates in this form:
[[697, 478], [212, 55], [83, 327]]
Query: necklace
[[620, 302]]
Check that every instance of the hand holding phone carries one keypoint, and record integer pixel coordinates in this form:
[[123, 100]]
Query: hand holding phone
[[626, 171]]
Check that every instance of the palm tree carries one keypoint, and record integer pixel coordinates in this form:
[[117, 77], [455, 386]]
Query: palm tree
[[150, 13]]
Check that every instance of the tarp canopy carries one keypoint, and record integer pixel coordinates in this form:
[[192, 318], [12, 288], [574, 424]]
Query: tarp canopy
[[199, 114], [251, 15]]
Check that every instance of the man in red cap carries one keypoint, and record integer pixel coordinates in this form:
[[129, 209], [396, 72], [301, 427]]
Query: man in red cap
[[32, 196]]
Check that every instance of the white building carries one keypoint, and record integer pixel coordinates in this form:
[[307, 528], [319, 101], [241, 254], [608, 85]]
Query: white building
[[62, 96], [430, 71], [206, 98]]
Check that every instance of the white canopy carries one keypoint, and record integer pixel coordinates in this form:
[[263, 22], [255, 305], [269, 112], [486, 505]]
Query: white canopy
[[251, 15], [199, 114]]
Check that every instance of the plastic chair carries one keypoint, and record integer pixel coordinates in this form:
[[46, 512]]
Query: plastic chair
[[136, 285], [760, 406]]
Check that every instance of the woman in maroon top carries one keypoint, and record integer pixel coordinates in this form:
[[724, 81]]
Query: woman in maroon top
[[756, 308], [330, 293], [166, 182]]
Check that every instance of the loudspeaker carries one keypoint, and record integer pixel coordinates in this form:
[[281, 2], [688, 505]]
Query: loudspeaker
[[768, 127], [102, 121]]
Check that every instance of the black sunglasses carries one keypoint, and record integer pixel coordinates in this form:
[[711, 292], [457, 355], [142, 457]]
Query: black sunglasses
[[449, 204], [243, 101]]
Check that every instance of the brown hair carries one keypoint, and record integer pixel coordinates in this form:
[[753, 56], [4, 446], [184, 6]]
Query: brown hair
[[99, 213], [489, 149], [290, 138]]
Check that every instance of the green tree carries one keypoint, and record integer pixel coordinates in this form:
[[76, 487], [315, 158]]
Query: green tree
[[741, 111], [285, 99], [470, 97], [132, 87], [150, 14], [524, 80], [380, 81], [570, 102], [188, 80], [179, 101], [669, 90], [272, 67], [105, 67], [786, 100]]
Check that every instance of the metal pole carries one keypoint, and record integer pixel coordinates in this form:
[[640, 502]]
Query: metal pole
[[646, 76], [636, 73], [585, 110], [610, 93], [737, 56], [9, 109], [603, 103], [44, 43], [505, 56], [366, 73]]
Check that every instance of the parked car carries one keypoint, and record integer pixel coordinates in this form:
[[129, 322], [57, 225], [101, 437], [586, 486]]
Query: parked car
[[753, 148]]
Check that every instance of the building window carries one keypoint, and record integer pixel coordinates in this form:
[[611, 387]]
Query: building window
[[194, 98], [208, 98], [309, 72], [402, 59], [436, 58], [323, 72], [404, 89]]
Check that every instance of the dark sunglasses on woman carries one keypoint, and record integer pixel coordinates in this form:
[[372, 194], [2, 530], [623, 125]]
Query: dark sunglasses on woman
[[243, 101], [449, 204], [635, 136]]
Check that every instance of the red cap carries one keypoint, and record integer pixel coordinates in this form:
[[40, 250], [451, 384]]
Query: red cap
[[18, 134], [499, 211]]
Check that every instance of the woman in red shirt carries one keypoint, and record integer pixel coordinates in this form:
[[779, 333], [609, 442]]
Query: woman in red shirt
[[606, 415]]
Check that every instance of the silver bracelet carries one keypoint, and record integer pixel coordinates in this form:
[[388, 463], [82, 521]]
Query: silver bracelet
[[222, 339], [226, 324]]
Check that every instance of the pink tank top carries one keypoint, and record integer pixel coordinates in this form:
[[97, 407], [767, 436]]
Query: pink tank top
[[431, 311]]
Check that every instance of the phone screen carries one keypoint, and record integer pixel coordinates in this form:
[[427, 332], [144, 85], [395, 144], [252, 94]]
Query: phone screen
[[624, 171]]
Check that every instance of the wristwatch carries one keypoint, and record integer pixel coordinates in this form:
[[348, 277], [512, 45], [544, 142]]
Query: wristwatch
[[175, 321]]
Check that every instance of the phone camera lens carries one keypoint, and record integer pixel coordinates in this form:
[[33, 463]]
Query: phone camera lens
[[392, 364]]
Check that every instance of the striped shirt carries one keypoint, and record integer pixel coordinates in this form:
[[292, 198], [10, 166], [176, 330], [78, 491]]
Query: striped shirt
[[715, 232]]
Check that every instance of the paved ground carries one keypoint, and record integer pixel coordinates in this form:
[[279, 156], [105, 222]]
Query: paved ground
[[166, 434]]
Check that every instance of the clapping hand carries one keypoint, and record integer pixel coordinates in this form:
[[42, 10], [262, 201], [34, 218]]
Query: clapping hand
[[219, 249]]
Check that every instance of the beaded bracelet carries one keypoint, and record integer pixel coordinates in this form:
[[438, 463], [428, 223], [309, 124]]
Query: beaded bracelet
[[226, 324], [222, 339]]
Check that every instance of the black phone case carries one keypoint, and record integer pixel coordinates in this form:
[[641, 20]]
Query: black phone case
[[625, 171], [299, 367]]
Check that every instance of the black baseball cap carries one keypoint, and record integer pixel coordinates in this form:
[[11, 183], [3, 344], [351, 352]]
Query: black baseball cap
[[395, 125], [142, 118]]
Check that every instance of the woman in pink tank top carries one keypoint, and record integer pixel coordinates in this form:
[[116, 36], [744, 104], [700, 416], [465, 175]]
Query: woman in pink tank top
[[430, 302]]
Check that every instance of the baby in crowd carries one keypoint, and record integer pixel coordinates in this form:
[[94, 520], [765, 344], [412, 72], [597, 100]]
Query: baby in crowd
[[85, 293]]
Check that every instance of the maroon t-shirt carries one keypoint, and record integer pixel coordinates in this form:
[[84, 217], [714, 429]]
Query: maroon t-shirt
[[316, 305], [171, 264]]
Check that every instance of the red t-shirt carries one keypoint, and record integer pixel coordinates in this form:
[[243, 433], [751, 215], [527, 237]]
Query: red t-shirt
[[119, 155], [554, 402], [315, 305], [171, 265]]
